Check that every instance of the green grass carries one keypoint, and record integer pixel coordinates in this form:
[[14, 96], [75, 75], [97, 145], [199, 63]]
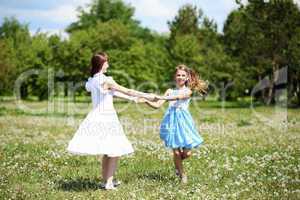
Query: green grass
[[247, 154]]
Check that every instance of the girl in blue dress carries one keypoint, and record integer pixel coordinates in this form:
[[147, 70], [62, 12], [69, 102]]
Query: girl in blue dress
[[177, 129]]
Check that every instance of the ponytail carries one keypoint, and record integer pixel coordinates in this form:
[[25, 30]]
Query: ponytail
[[197, 84]]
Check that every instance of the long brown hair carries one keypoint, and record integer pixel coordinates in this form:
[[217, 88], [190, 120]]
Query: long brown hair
[[194, 82], [97, 62]]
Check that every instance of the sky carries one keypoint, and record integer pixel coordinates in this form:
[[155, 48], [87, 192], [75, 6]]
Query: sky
[[53, 16]]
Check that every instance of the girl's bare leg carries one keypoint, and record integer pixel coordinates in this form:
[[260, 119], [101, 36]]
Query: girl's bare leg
[[110, 171], [104, 167], [186, 153], [178, 161], [178, 164], [115, 165]]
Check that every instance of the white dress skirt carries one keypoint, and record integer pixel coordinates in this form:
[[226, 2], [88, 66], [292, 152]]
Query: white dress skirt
[[101, 132]]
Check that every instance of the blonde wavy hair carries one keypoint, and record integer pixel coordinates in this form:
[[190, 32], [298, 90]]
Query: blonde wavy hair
[[194, 82]]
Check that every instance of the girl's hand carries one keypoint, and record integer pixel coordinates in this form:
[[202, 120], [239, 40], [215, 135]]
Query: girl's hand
[[141, 100], [158, 97], [151, 97]]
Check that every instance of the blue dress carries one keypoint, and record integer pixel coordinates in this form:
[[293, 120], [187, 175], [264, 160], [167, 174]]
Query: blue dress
[[177, 128]]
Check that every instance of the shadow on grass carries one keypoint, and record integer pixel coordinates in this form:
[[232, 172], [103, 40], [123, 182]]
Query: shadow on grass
[[79, 184]]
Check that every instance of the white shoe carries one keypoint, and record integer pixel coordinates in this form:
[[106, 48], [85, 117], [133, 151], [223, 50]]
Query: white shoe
[[184, 179], [109, 186], [115, 184], [177, 172]]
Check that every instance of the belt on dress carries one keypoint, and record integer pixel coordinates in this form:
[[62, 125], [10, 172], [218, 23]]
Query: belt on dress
[[179, 107]]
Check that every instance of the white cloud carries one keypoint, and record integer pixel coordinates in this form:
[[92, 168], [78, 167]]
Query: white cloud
[[229, 4], [155, 13], [52, 21], [48, 31], [63, 13], [153, 8]]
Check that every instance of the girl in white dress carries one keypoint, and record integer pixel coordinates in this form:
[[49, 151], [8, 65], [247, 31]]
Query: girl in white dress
[[101, 133]]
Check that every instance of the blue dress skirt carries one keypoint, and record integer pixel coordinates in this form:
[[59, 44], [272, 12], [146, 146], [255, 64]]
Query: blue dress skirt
[[178, 129]]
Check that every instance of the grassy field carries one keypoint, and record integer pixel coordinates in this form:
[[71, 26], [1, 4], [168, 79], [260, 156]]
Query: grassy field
[[247, 154]]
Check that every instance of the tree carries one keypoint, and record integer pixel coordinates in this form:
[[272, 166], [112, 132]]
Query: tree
[[183, 43], [194, 40], [259, 34], [186, 22], [41, 58], [293, 55], [145, 66], [15, 39], [101, 11], [22, 52], [7, 69]]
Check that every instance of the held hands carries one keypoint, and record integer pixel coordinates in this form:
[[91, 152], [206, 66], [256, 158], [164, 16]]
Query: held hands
[[158, 97], [141, 100], [150, 97], [154, 97]]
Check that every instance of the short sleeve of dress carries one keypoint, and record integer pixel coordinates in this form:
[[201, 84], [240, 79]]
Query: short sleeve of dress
[[88, 85], [110, 80], [97, 82]]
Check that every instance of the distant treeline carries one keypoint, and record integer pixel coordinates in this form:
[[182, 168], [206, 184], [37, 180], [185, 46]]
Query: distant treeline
[[257, 54]]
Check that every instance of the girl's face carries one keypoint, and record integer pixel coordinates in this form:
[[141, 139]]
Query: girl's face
[[181, 77], [104, 67]]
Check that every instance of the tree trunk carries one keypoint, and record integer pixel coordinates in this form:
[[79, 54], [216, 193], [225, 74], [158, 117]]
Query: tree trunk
[[274, 78], [262, 96], [298, 93], [23, 92], [65, 91]]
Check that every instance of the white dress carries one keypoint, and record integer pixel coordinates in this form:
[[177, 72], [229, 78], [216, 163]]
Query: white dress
[[100, 132]]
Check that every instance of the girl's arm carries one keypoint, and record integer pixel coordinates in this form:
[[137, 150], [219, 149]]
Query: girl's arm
[[125, 96], [184, 95], [111, 84], [160, 102]]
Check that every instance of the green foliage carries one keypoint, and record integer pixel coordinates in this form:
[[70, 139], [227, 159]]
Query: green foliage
[[194, 40], [15, 40], [102, 11], [187, 21], [143, 65], [7, 68], [186, 50], [259, 38]]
